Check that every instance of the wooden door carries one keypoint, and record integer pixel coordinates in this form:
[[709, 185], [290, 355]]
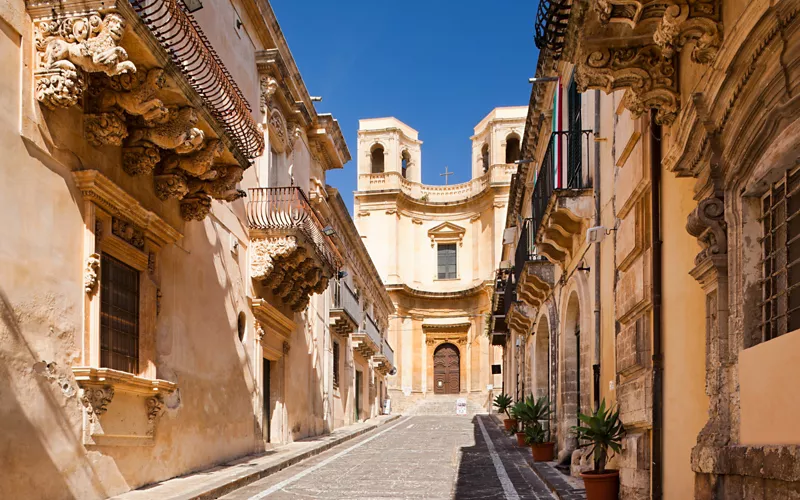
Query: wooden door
[[446, 370]]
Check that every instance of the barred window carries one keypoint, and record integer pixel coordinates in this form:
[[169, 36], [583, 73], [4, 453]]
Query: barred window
[[335, 364], [119, 315], [780, 219], [447, 261]]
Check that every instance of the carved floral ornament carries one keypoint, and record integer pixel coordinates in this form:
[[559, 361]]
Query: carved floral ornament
[[78, 57]]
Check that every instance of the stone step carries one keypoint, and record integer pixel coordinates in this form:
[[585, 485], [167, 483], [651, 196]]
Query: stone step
[[442, 405]]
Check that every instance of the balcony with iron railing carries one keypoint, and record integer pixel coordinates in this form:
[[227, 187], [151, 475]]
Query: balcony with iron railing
[[346, 313], [368, 340], [289, 252], [552, 20], [534, 274], [498, 329], [385, 358], [562, 196]]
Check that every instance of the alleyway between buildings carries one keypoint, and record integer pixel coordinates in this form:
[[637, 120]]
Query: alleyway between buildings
[[437, 457]]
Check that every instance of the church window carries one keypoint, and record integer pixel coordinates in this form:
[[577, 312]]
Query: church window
[[780, 219], [119, 315], [272, 174], [447, 260], [377, 159], [485, 157], [512, 148], [405, 162]]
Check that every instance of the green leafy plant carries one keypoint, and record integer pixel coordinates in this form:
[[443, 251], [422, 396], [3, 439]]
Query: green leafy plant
[[535, 434], [518, 413], [600, 431], [489, 324], [503, 402]]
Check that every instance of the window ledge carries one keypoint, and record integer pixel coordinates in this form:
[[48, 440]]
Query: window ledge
[[121, 381], [131, 420], [447, 279]]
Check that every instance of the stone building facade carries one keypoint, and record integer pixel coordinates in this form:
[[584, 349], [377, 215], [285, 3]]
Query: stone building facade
[[435, 247], [675, 142], [172, 263]]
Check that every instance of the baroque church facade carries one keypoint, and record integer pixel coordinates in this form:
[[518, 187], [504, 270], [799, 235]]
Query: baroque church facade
[[435, 247]]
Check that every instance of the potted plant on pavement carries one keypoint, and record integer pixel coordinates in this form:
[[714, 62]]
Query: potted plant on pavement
[[519, 414], [503, 402], [600, 432], [536, 436]]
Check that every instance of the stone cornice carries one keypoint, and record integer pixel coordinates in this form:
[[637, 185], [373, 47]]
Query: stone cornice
[[100, 190], [427, 294], [269, 316]]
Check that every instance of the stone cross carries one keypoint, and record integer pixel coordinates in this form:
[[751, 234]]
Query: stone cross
[[446, 175]]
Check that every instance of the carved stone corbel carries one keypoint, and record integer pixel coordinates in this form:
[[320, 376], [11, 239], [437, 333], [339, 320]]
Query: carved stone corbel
[[104, 129], [71, 45], [269, 86], [691, 21], [96, 399], [264, 252], [155, 408], [707, 224], [91, 273], [649, 78]]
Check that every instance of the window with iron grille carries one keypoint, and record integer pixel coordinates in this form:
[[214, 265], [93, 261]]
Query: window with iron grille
[[780, 243], [447, 261], [119, 315], [335, 364]]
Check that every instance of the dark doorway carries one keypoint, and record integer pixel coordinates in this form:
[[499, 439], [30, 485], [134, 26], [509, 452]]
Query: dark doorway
[[446, 370], [265, 409], [359, 385]]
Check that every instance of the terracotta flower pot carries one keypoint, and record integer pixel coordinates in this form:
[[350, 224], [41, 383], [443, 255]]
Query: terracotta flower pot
[[604, 486], [542, 452], [521, 438], [510, 423]]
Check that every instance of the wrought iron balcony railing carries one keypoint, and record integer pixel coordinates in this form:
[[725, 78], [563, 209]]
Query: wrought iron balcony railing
[[345, 300], [562, 168], [286, 209], [388, 352], [526, 248], [181, 36], [552, 20], [372, 331]]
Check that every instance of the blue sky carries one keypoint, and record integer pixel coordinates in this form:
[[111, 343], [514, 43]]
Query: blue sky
[[437, 65]]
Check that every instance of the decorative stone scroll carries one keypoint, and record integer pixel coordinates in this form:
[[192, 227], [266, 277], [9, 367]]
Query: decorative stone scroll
[[70, 46], [707, 224], [128, 232], [155, 408], [695, 21], [649, 78], [91, 273], [96, 400]]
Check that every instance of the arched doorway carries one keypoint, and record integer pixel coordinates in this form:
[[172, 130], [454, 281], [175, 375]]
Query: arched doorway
[[446, 370]]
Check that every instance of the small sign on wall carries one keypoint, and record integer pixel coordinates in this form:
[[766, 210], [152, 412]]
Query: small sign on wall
[[461, 406]]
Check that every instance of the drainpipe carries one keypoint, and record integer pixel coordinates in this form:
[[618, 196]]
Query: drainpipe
[[658, 383], [596, 184]]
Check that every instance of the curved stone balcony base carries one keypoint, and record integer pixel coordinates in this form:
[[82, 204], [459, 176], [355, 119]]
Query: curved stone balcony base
[[342, 323], [364, 344], [568, 215], [520, 318], [289, 267], [536, 282]]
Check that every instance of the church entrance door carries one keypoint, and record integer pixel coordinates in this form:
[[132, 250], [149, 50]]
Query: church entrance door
[[446, 370]]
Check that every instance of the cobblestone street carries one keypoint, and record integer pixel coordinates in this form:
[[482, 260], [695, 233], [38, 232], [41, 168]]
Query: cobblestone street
[[439, 457]]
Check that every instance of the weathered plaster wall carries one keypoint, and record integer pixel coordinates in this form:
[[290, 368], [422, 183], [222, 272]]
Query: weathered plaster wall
[[685, 401]]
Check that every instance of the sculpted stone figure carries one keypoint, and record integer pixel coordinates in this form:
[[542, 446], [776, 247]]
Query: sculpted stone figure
[[176, 132], [136, 95], [91, 44], [197, 164]]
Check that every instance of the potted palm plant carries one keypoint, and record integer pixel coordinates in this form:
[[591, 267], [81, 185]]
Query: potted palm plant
[[536, 436], [503, 402], [600, 432], [520, 414]]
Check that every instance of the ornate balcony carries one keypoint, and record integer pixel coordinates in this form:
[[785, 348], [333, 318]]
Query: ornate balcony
[[368, 339], [172, 109], [346, 314], [497, 323], [385, 358], [534, 273], [289, 254], [562, 196], [632, 45]]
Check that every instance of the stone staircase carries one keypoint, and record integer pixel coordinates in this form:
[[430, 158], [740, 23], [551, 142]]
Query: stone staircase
[[443, 405]]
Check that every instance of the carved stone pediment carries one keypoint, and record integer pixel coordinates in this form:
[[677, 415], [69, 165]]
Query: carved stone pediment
[[447, 233]]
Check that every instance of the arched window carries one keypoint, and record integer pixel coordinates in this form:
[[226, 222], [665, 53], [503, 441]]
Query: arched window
[[377, 159], [485, 157], [405, 163], [512, 148]]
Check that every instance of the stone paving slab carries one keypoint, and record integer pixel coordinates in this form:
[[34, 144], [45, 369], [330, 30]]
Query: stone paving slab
[[217, 481], [563, 487]]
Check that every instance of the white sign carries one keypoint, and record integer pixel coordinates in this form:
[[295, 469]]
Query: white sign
[[461, 406], [387, 406]]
